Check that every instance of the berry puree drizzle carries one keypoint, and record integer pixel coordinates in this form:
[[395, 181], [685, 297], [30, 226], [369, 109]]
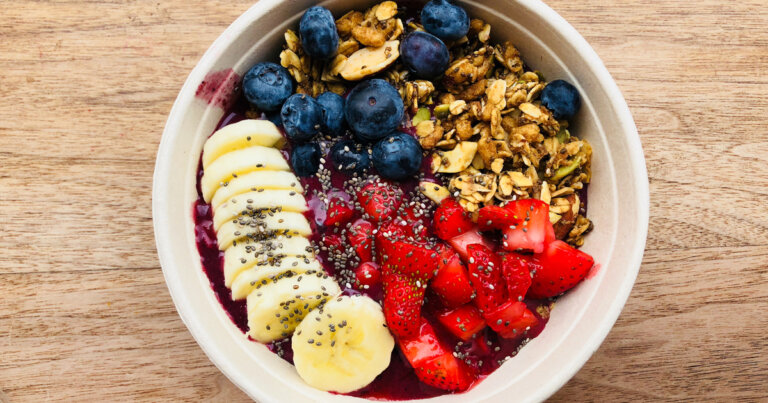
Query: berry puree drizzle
[[485, 353]]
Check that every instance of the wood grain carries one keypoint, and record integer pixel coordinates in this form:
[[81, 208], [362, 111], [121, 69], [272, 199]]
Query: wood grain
[[85, 88]]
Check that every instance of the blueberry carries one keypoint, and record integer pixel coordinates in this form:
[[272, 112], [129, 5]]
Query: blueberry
[[446, 21], [349, 157], [397, 156], [305, 159], [424, 54], [373, 109], [333, 113], [318, 33], [561, 98], [301, 117], [267, 86]]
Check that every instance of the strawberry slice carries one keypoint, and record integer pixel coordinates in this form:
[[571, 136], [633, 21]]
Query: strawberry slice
[[495, 218], [433, 363], [339, 213], [517, 273], [511, 319], [485, 274], [450, 220], [562, 267], [460, 243], [360, 236], [402, 303], [334, 243], [407, 257], [533, 229], [368, 274], [379, 201], [463, 322], [412, 223], [451, 283]]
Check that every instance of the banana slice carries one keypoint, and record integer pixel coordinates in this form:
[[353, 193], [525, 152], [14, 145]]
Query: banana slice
[[258, 205], [368, 61], [239, 162], [248, 280], [260, 226], [248, 253], [254, 181], [239, 135], [278, 305], [343, 345]]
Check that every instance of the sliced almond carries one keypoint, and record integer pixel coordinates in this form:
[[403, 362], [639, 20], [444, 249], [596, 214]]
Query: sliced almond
[[433, 191], [459, 158], [530, 110], [369, 61], [520, 180], [386, 10]]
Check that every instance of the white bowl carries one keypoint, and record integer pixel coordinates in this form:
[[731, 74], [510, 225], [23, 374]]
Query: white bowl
[[618, 204]]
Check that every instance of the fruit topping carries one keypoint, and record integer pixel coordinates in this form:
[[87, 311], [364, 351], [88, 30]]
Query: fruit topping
[[424, 54], [510, 320], [406, 257], [446, 21], [451, 283], [532, 230], [267, 85], [485, 274], [379, 200], [368, 275], [463, 322], [349, 157], [360, 236], [397, 156], [374, 109], [403, 297], [450, 220], [305, 159], [434, 363], [461, 242], [332, 104], [517, 273], [318, 33], [343, 345], [301, 117], [561, 98], [561, 268], [339, 213]]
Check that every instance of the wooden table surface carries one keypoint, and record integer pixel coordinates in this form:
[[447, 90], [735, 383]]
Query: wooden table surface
[[85, 88]]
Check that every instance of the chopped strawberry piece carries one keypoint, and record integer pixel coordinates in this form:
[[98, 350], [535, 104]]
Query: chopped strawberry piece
[[511, 320], [379, 200], [470, 237], [517, 273], [368, 274], [433, 363], [446, 372], [334, 243], [463, 322], [339, 213], [450, 220], [412, 222], [397, 254], [402, 303], [533, 231], [495, 218], [451, 283], [485, 274], [562, 267], [360, 236]]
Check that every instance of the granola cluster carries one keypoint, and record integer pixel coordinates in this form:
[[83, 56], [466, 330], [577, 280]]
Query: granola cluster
[[488, 135]]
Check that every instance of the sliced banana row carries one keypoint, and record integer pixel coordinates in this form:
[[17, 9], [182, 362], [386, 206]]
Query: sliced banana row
[[268, 261]]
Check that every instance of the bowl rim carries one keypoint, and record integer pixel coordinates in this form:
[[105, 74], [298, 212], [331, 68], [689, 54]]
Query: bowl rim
[[557, 23]]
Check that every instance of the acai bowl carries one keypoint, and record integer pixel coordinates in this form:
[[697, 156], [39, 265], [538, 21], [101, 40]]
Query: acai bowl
[[580, 318]]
